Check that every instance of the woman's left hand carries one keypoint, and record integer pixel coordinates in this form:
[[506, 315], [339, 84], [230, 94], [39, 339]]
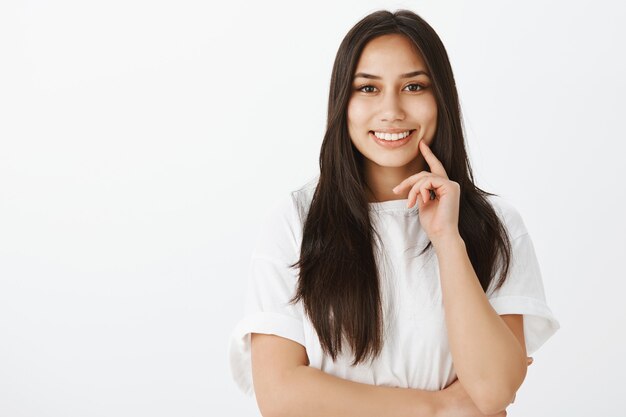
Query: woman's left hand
[[440, 216]]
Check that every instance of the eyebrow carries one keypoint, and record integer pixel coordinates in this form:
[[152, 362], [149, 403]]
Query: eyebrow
[[376, 77]]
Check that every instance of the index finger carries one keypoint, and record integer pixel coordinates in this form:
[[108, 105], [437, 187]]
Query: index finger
[[436, 167]]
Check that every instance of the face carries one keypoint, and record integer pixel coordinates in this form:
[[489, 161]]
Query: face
[[384, 100]]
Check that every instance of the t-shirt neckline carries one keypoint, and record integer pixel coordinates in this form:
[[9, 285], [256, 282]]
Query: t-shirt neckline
[[394, 205]]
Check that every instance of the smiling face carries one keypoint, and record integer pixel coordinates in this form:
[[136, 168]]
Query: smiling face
[[385, 99]]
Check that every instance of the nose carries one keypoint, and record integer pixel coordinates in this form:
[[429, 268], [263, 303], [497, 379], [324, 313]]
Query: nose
[[391, 108]]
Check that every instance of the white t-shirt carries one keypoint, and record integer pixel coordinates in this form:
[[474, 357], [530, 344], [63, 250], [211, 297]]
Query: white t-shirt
[[416, 353]]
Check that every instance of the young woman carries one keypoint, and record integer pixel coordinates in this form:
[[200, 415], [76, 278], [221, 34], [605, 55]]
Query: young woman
[[391, 285]]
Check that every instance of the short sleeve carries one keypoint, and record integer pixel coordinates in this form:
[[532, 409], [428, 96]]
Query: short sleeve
[[523, 291], [271, 284]]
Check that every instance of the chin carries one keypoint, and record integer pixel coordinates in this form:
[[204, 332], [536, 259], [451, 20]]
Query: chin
[[392, 162]]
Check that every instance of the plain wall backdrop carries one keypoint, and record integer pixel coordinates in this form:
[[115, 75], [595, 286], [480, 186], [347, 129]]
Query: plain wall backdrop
[[142, 142]]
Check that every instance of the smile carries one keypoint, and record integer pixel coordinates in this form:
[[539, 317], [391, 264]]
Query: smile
[[395, 140], [392, 136]]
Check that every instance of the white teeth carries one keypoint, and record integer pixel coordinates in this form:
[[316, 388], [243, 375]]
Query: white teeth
[[392, 136]]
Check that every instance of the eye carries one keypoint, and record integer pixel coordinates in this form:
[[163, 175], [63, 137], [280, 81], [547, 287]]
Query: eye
[[365, 86], [417, 87], [421, 87]]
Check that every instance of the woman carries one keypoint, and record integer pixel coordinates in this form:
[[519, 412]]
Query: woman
[[416, 293]]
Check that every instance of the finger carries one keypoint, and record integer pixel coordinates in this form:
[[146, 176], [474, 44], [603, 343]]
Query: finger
[[418, 191], [415, 193], [409, 181], [427, 195], [429, 187], [436, 167]]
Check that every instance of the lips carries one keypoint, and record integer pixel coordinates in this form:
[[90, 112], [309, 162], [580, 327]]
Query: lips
[[393, 131], [391, 144]]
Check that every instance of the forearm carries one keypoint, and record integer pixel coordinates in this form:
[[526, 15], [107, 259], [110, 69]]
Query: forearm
[[310, 392], [488, 358]]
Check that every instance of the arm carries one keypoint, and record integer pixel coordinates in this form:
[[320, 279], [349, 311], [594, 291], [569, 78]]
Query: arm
[[488, 358], [286, 386]]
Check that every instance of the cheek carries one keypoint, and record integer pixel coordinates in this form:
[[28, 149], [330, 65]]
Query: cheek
[[432, 121], [428, 110], [428, 117], [357, 112]]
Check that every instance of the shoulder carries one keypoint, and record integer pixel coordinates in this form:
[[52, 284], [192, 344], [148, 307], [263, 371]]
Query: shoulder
[[509, 215], [287, 208], [281, 227], [303, 196]]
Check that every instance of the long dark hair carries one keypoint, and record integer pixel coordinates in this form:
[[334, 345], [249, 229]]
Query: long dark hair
[[338, 279]]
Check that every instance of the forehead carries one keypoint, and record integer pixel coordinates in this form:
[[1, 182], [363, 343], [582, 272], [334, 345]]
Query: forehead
[[390, 53]]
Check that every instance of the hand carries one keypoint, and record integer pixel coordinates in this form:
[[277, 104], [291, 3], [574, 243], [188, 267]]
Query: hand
[[437, 196], [454, 402]]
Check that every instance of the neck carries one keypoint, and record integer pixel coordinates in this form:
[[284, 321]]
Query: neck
[[381, 180]]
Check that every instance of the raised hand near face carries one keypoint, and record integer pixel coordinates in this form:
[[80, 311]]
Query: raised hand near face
[[437, 196]]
